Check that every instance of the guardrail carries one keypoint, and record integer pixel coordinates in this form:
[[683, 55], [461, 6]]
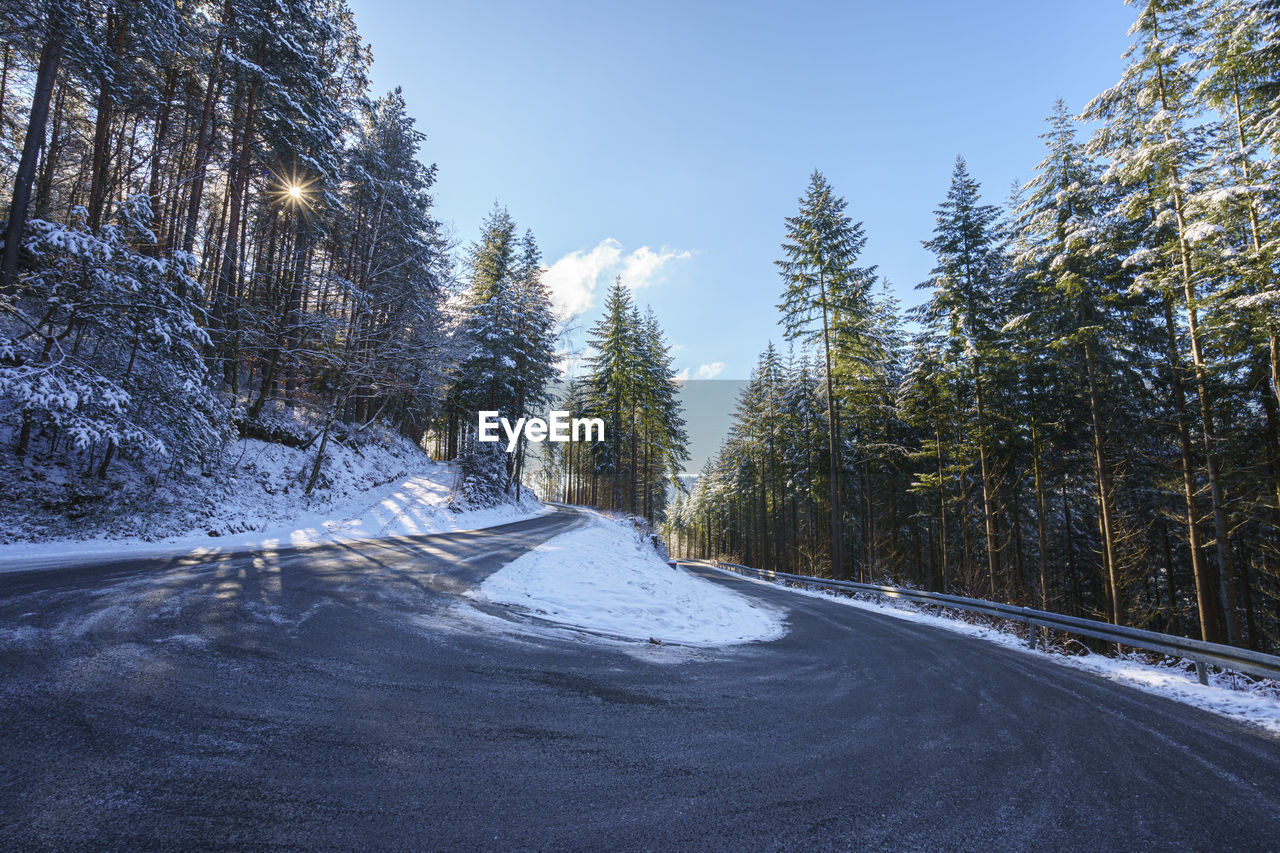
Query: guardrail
[[1203, 654]]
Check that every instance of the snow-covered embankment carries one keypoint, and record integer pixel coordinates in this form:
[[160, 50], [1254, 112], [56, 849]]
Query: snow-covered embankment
[[382, 489], [605, 578]]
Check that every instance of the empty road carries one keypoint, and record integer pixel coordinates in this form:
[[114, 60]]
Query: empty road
[[346, 697]]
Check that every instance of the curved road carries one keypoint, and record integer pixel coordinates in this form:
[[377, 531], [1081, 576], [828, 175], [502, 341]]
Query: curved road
[[337, 698]]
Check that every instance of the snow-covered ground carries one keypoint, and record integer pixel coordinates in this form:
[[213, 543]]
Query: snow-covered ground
[[380, 489], [605, 578], [1226, 694]]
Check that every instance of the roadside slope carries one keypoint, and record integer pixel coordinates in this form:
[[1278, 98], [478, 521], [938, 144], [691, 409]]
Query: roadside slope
[[379, 491]]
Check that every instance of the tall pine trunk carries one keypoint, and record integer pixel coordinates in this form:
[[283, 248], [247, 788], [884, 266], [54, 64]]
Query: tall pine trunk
[[988, 497], [117, 26], [833, 444], [225, 296], [1207, 601], [46, 74], [942, 509], [1103, 478], [1042, 535], [204, 136], [1222, 534]]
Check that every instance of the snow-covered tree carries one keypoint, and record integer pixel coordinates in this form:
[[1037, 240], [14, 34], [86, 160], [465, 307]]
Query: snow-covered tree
[[825, 292], [1155, 140], [966, 305], [508, 335], [102, 351]]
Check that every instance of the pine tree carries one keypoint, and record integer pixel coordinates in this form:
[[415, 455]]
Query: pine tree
[[147, 396], [1155, 140], [1073, 284], [966, 303], [665, 439], [825, 291], [615, 364], [532, 339], [509, 333], [631, 389], [55, 29]]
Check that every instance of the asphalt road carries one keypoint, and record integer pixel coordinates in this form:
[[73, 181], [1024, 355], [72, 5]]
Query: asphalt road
[[337, 698]]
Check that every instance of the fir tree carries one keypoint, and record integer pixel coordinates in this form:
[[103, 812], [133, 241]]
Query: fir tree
[[966, 303], [824, 291]]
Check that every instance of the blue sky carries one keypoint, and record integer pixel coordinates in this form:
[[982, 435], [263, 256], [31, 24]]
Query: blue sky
[[667, 141]]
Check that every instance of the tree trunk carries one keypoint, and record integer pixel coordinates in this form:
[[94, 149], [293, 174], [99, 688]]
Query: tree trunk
[[4, 83], [117, 25], [1042, 535], [1166, 552], [1207, 602], [49, 164], [159, 132], [46, 74], [1069, 529], [1103, 478], [1222, 534], [942, 508], [204, 135], [833, 446], [988, 498], [225, 293]]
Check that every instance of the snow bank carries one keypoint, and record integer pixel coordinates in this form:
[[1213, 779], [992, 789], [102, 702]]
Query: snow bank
[[604, 578], [376, 491], [1258, 704]]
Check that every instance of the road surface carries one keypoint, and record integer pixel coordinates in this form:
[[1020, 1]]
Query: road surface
[[336, 698]]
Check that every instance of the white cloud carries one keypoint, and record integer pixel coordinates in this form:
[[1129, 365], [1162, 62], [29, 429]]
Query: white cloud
[[641, 268], [574, 278], [704, 371]]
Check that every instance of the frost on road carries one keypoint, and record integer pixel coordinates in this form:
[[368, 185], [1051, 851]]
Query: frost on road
[[604, 578]]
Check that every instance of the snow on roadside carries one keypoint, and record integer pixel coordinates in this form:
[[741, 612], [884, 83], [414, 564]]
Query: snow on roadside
[[1259, 706], [605, 578], [377, 491]]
